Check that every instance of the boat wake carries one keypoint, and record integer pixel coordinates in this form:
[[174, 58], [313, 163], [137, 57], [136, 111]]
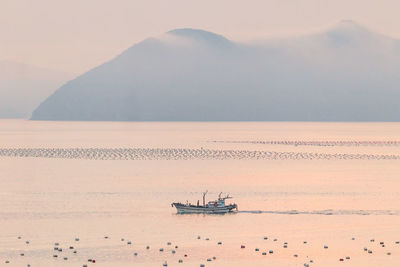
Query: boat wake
[[326, 212]]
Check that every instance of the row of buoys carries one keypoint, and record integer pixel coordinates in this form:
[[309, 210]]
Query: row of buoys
[[326, 247], [285, 244], [180, 154], [317, 143]]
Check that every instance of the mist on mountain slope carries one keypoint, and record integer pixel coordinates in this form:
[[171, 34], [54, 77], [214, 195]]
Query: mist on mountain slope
[[345, 73], [23, 87]]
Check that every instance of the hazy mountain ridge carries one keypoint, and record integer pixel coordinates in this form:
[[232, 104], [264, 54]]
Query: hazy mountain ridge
[[23, 87], [345, 73]]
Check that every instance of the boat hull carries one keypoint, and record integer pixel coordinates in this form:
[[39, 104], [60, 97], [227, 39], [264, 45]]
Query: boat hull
[[183, 209]]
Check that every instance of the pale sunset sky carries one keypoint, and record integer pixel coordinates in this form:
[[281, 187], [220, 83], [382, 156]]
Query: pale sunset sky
[[76, 35]]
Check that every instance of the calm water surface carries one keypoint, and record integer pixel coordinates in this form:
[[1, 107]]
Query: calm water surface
[[322, 201]]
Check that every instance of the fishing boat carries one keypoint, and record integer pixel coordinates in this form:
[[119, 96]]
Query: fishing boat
[[216, 206]]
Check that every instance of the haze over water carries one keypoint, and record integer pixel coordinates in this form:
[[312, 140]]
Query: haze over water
[[324, 202]]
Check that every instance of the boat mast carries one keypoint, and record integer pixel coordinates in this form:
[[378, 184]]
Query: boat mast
[[204, 198]]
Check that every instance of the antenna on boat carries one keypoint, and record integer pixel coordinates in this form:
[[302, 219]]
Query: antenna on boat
[[227, 196], [204, 198]]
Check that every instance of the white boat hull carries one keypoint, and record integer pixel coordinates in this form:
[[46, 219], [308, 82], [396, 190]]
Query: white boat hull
[[182, 209]]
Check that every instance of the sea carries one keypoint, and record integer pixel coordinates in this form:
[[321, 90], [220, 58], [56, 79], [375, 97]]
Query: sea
[[100, 193]]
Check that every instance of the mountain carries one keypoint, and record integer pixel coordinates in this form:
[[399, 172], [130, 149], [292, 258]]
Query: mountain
[[345, 73], [23, 87]]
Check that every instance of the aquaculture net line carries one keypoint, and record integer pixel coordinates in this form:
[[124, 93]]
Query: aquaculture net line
[[180, 154]]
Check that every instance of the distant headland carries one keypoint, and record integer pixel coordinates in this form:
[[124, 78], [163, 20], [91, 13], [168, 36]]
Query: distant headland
[[344, 73]]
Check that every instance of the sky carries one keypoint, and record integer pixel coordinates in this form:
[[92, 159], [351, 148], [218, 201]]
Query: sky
[[76, 35]]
